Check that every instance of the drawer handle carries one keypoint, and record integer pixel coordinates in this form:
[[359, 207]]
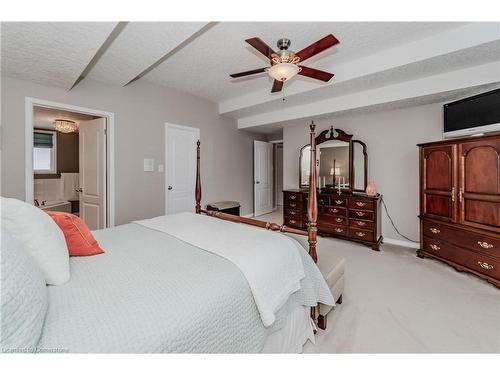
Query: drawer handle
[[339, 201], [292, 197], [485, 265], [338, 230], [360, 234], [292, 212], [435, 230], [434, 247], [359, 213], [334, 210], [338, 219], [292, 204], [292, 221], [484, 245], [361, 204], [361, 223]]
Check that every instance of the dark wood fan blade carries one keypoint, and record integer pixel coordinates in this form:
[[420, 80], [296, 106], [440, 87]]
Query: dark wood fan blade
[[315, 48], [260, 46], [315, 73], [248, 73], [277, 86]]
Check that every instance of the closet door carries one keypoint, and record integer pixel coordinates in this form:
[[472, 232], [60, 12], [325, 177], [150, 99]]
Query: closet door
[[479, 194], [438, 182]]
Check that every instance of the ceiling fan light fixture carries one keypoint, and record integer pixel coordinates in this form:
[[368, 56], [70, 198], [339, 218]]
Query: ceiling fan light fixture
[[65, 126], [283, 71]]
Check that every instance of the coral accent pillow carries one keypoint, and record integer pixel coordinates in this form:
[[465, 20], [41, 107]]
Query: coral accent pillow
[[78, 237]]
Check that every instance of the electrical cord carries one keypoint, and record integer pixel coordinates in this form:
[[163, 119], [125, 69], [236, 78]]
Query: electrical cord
[[394, 225]]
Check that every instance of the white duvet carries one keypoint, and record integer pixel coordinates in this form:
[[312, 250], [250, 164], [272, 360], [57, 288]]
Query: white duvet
[[269, 261]]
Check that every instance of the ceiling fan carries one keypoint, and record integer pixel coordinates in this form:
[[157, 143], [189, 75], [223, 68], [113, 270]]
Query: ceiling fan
[[285, 63]]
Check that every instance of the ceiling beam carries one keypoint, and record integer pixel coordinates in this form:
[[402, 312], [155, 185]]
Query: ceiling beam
[[107, 43], [439, 83], [447, 42], [172, 52]]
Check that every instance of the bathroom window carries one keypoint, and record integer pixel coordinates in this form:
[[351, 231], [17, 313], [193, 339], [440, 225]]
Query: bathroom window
[[44, 151]]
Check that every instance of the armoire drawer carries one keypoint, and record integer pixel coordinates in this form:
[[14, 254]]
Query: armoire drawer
[[293, 204], [478, 262], [292, 212], [361, 224], [469, 240], [360, 214]]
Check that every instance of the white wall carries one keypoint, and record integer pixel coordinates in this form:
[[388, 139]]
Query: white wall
[[391, 137], [141, 110]]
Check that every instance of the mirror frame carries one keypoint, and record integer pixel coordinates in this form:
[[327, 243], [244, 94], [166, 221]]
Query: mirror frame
[[329, 135], [365, 155]]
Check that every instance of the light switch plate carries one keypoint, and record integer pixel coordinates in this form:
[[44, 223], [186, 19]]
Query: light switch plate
[[149, 165], [160, 167]]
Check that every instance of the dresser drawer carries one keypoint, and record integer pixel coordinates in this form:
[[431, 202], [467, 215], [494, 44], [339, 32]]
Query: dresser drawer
[[478, 262], [293, 222], [360, 214], [291, 197], [292, 212], [361, 224], [332, 228], [336, 211], [336, 220], [361, 234], [337, 201], [361, 204], [469, 240]]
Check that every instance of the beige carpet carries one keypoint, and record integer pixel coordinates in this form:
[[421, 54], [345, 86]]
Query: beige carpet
[[395, 302]]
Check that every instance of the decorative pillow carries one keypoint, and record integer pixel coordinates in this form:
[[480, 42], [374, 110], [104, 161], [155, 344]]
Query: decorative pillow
[[79, 240], [24, 297], [40, 236]]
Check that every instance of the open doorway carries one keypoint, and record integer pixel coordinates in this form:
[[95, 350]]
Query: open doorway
[[68, 162]]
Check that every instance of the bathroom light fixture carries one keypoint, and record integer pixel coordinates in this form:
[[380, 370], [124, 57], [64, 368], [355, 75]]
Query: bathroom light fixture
[[65, 126]]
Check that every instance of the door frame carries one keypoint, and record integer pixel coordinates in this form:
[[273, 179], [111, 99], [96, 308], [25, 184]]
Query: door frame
[[30, 103], [182, 127]]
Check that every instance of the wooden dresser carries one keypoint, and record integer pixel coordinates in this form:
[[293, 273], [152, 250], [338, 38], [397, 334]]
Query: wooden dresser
[[460, 204], [350, 216]]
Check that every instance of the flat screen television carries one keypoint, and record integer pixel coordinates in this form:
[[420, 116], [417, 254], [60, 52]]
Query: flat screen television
[[477, 114]]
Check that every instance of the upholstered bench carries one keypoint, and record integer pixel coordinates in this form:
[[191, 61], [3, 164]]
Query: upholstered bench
[[332, 268]]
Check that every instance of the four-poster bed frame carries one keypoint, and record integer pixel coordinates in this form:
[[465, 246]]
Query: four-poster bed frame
[[312, 206], [312, 214]]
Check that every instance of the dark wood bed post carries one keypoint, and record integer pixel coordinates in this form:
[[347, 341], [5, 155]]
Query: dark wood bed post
[[197, 193], [312, 206]]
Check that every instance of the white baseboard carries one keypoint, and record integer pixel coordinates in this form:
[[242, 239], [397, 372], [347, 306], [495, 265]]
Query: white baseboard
[[248, 215], [392, 241]]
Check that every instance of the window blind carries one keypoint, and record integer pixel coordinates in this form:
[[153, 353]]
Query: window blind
[[42, 140]]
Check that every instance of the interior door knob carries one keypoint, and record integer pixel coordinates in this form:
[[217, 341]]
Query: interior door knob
[[170, 188], [257, 182], [79, 190]]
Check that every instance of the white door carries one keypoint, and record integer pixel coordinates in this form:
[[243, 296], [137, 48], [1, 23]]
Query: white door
[[92, 149], [263, 177], [180, 162]]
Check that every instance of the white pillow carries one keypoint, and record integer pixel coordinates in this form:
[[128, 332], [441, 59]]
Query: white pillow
[[41, 237], [24, 297]]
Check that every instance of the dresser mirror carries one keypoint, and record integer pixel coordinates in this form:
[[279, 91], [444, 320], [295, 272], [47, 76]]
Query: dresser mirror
[[341, 162], [360, 165]]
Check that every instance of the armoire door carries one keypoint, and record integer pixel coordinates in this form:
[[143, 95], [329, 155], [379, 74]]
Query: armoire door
[[438, 179], [479, 183]]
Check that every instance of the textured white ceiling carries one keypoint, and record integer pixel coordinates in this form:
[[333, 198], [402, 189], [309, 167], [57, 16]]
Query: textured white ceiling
[[203, 68], [138, 46], [51, 53]]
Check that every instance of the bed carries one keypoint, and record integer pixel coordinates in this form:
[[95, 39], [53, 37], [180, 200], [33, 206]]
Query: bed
[[157, 290]]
